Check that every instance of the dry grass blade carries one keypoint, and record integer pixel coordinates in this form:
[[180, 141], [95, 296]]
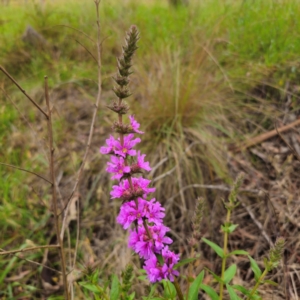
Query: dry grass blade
[[54, 193]]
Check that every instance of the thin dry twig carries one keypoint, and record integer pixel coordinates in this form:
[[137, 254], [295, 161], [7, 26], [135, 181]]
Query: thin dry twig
[[258, 224], [286, 142], [87, 50], [28, 249], [34, 133], [24, 170], [265, 136], [219, 66], [24, 92], [80, 31], [54, 196], [210, 187]]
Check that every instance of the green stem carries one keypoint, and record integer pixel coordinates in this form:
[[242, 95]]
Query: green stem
[[225, 245], [178, 289], [260, 279]]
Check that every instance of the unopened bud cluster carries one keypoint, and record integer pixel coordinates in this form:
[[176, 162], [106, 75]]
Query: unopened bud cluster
[[148, 236], [196, 223]]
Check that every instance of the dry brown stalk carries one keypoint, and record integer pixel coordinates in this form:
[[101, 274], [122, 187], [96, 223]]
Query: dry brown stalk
[[53, 187], [28, 249], [286, 142], [24, 170], [265, 136]]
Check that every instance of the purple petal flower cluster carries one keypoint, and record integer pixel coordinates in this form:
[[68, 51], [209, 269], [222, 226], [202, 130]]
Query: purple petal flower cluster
[[145, 217]]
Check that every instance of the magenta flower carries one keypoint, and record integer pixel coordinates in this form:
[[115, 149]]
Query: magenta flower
[[153, 269], [134, 237], [140, 242], [135, 125], [142, 184], [140, 164], [129, 213], [159, 236], [117, 167], [169, 257], [124, 191], [154, 211], [126, 148], [169, 272], [110, 146]]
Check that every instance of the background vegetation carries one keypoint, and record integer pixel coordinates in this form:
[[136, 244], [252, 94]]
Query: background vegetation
[[208, 76]]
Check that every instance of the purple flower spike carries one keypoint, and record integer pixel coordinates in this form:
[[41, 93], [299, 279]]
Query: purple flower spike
[[135, 125], [148, 238]]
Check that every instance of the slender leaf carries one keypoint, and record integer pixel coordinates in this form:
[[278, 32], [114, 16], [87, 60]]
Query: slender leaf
[[115, 288], [215, 247], [209, 291], [131, 296], [271, 282], [238, 252], [194, 288], [232, 227], [255, 268], [152, 290], [184, 262], [229, 273], [241, 289], [216, 277], [89, 286], [232, 293]]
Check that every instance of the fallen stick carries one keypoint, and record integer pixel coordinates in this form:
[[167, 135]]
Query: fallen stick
[[265, 136]]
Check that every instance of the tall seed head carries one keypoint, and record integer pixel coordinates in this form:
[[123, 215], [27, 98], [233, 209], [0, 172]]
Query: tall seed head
[[196, 222], [236, 186], [125, 63]]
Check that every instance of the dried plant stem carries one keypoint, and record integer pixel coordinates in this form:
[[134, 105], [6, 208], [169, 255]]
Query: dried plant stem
[[28, 249], [265, 136], [24, 170], [24, 92], [54, 196], [88, 145], [225, 246]]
